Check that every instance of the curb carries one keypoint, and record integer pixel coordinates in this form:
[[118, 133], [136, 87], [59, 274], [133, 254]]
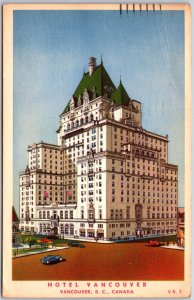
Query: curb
[[40, 252], [173, 248]]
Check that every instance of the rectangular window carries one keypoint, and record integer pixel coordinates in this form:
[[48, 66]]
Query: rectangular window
[[71, 214], [66, 214]]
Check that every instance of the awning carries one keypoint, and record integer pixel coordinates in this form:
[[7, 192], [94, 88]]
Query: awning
[[91, 230], [82, 230], [100, 231]]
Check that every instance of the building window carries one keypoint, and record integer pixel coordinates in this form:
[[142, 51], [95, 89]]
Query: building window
[[66, 214], [71, 214], [66, 229], [71, 229]]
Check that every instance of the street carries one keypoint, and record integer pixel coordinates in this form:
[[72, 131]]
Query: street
[[124, 261]]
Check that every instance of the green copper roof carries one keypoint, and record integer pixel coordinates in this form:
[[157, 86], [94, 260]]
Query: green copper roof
[[99, 79], [120, 96], [96, 84]]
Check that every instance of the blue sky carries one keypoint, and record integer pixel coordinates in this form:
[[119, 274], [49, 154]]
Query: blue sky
[[51, 50]]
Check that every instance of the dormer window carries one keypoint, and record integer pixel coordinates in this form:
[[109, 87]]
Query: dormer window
[[94, 92], [72, 104], [112, 112], [86, 98], [79, 100]]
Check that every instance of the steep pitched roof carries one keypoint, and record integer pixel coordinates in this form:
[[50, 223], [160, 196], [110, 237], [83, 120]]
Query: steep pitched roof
[[97, 80], [14, 216], [120, 96]]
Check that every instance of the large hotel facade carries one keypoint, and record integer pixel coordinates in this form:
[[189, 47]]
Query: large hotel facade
[[107, 177]]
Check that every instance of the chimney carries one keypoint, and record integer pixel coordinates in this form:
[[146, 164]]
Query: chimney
[[92, 65]]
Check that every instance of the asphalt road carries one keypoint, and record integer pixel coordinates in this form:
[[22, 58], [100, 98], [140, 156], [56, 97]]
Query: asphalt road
[[126, 261]]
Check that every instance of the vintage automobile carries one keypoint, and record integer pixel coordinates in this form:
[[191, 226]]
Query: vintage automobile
[[51, 259], [76, 244], [153, 243]]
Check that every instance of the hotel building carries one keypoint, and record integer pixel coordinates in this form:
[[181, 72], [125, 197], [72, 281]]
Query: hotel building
[[108, 177]]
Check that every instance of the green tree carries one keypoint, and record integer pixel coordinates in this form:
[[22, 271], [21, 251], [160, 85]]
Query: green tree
[[30, 241]]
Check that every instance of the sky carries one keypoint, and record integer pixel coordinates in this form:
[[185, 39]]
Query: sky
[[51, 51]]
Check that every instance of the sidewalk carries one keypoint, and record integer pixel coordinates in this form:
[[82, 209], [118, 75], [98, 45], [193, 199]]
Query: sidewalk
[[40, 252], [174, 247], [92, 240]]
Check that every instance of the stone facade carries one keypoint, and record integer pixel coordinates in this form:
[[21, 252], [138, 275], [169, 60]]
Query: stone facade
[[108, 177]]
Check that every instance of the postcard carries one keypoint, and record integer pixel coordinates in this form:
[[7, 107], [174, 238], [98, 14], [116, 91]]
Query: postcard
[[96, 150]]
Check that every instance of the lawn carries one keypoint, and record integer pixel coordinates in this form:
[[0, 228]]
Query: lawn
[[19, 251]]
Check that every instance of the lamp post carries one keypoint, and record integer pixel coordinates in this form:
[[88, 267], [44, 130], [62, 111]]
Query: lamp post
[[163, 233], [138, 215], [17, 245], [55, 218]]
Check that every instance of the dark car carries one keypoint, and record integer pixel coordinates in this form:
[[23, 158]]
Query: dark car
[[51, 259], [76, 244], [153, 243]]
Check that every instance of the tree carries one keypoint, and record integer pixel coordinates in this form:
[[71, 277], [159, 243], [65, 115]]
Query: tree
[[30, 241]]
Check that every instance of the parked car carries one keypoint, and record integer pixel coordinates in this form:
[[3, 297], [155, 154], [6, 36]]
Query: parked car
[[76, 244], [153, 243], [51, 259]]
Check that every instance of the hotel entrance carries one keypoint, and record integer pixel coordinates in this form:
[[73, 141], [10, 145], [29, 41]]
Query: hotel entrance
[[91, 233], [82, 232], [100, 234]]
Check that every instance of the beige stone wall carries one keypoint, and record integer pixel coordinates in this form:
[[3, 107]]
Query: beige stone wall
[[129, 165]]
